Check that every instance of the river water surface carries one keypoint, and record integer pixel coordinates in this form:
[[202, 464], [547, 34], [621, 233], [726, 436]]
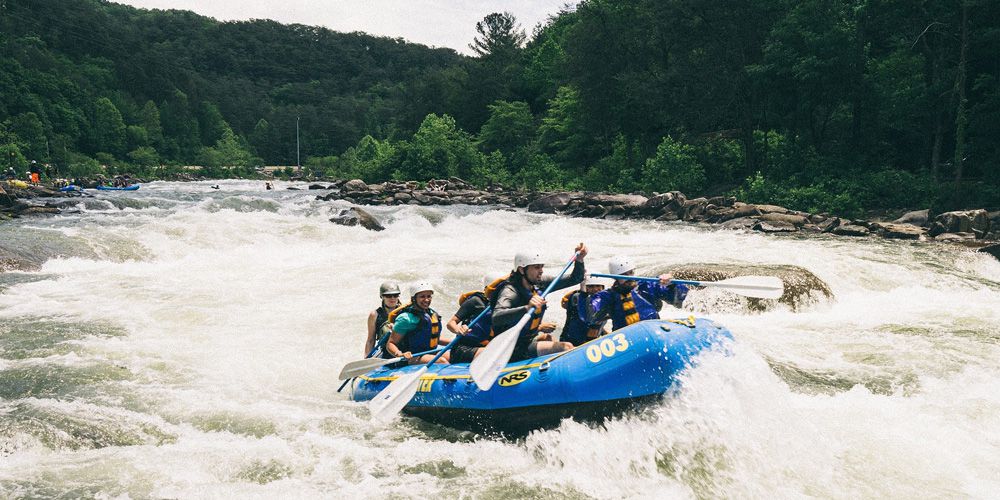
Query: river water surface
[[184, 342]]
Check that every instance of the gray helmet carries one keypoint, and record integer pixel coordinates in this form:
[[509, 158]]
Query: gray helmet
[[388, 288]]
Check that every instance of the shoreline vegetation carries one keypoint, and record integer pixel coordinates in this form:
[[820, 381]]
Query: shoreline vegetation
[[840, 107]]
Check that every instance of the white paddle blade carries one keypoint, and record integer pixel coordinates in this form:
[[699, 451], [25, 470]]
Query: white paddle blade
[[387, 403], [486, 367], [363, 366], [761, 287]]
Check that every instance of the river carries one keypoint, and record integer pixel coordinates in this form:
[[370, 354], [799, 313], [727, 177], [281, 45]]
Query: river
[[184, 342]]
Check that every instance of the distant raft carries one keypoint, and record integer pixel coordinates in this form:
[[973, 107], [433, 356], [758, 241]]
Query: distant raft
[[131, 187], [71, 187], [606, 376]]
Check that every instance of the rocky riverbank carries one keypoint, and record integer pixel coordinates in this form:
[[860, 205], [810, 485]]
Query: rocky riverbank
[[20, 199], [977, 228]]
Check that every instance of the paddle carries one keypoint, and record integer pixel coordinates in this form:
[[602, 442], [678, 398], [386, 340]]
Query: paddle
[[486, 367], [362, 366], [389, 401], [760, 287], [376, 351]]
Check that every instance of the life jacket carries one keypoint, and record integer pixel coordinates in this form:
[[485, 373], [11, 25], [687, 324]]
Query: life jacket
[[575, 330], [486, 293], [638, 304], [381, 317], [481, 333], [628, 309], [514, 281], [425, 336]]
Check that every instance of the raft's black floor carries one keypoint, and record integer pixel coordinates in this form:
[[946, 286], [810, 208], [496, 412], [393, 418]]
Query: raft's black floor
[[517, 422]]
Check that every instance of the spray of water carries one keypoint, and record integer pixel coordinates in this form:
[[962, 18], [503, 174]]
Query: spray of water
[[181, 341]]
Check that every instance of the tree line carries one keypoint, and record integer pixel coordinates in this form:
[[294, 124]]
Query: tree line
[[825, 105]]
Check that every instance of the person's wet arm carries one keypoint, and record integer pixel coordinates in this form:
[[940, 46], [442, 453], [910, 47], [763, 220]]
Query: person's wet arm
[[505, 313], [370, 340], [575, 278]]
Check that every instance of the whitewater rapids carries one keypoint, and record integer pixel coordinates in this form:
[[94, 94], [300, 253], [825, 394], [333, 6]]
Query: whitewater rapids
[[184, 342]]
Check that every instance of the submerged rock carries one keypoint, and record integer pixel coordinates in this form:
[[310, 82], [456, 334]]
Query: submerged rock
[[355, 216], [802, 287], [851, 230], [993, 250]]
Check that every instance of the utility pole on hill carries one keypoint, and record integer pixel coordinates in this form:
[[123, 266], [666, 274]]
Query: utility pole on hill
[[298, 162]]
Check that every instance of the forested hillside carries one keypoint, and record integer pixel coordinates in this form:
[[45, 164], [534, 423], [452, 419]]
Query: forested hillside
[[836, 105]]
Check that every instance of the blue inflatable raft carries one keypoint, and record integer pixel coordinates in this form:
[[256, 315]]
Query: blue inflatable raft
[[131, 187], [603, 377]]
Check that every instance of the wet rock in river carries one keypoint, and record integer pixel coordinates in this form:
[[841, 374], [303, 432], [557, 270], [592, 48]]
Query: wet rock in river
[[355, 216], [802, 288]]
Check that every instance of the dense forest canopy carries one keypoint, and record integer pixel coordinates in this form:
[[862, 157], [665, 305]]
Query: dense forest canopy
[[836, 105]]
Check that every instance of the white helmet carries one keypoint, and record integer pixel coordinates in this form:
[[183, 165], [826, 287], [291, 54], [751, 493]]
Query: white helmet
[[620, 265], [593, 280], [525, 259], [422, 286]]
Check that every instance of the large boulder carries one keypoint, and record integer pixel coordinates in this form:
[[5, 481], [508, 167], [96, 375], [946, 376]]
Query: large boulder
[[765, 226], [627, 202], [917, 218], [795, 220], [851, 230], [6, 200], [354, 186], [694, 210], [740, 223], [955, 237], [898, 231], [965, 221], [802, 288], [772, 209], [662, 203], [355, 216], [552, 203]]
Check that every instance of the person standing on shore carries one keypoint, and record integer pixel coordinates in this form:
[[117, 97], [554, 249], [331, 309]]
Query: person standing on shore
[[35, 172]]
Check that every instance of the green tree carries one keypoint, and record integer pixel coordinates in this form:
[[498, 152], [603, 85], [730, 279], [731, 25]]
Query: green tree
[[211, 123], [499, 36], [438, 149], [108, 128], [498, 67], [674, 167], [149, 119], [136, 136], [144, 156], [182, 136], [562, 133], [28, 127], [510, 127]]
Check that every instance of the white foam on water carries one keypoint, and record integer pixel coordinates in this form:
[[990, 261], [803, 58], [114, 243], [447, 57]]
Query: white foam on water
[[240, 306]]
